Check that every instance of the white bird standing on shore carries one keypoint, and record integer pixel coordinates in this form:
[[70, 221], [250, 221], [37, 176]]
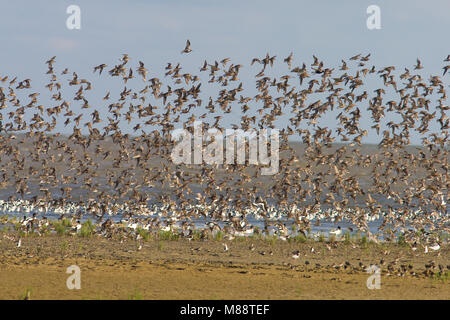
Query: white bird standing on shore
[[435, 247], [336, 232]]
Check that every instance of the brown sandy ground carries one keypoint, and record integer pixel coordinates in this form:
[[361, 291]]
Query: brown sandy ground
[[250, 269]]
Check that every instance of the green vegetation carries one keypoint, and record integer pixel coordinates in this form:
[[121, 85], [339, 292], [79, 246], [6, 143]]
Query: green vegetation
[[331, 238], [347, 237], [61, 227], [219, 236], [321, 237], [64, 227], [146, 235], [26, 295], [87, 229], [64, 246], [197, 235], [272, 239], [444, 236], [401, 240], [298, 238], [441, 276], [136, 295], [168, 235], [364, 241]]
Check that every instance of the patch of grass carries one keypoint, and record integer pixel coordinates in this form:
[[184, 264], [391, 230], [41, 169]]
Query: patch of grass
[[197, 235], [441, 276], [66, 222], [26, 294], [419, 234], [64, 246], [388, 235], [45, 230], [331, 238], [364, 241], [321, 237], [146, 235], [61, 226], [444, 236], [256, 236], [271, 239], [299, 238], [136, 295], [219, 236], [168, 235], [240, 239], [160, 246], [59, 229], [87, 229], [347, 237], [401, 240], [20, 230]]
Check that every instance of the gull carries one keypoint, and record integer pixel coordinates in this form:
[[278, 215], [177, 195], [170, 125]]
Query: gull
[[296, 254], [225, 247], [77, 227], [19, 243], [132, 225], [435, 247], [337, 231]]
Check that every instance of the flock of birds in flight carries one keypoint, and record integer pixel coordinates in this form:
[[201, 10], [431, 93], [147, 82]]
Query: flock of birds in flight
[[405, 186]]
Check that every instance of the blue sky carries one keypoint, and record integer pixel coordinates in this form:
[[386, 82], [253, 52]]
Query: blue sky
[[155, 32]]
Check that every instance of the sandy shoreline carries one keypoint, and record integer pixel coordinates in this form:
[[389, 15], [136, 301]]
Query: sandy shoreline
[[250, 269]]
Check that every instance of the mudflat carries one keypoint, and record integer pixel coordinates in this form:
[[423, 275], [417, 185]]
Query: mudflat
[[202, 269]]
